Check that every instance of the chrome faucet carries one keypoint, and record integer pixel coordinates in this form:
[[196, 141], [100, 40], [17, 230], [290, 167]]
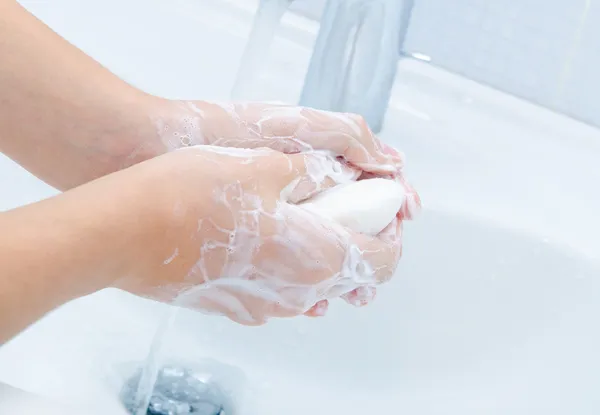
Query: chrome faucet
[[355, 58], [354, 61]]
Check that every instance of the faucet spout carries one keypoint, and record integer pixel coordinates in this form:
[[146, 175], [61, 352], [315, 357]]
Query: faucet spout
[[353, 65]]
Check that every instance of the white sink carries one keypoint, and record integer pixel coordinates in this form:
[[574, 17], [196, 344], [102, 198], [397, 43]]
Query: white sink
[[16, 401], [494, 307]]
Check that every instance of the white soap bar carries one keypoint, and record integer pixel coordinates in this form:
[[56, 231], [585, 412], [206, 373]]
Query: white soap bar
[[366, 206]]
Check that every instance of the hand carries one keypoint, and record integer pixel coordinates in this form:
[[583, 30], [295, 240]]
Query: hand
[[288, 129], [230, 240]]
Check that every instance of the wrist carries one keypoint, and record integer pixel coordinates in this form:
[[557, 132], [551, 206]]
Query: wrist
[[163, 243], [179, 124], [160, 125], [138, 139]]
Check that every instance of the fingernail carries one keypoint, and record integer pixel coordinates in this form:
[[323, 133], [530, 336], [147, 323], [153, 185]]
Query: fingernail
[[396, 156], [390, 150], [321, 308], [361, 296]]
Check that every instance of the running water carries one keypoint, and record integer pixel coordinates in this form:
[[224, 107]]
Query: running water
[[265, 24], [267, 20], [150, 370]]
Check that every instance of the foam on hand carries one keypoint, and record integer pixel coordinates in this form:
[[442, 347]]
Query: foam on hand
[[365, 206]]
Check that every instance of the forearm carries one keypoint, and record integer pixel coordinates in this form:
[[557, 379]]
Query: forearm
[[63, 116], [66, 247]]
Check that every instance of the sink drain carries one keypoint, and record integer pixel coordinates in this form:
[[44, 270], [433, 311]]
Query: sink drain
[[180, 391]]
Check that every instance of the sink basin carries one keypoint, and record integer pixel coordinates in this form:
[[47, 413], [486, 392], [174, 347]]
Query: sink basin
[[17, 401], [493, 309]]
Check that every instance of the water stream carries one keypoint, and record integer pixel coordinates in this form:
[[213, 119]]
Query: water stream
[[152, 366], [268, 17]]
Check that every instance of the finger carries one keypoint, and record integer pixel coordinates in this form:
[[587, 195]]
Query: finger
[[222, 301], [349, 136], [293, 129], [383, 154], [318, 310], [311, 173], [381, 253], [249, 303], [392, 234], [266, 296], [334, 260], [360, 296], [387, 149], [412, 202]]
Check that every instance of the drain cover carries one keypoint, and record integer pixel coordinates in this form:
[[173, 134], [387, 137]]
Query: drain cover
[[179, 391]]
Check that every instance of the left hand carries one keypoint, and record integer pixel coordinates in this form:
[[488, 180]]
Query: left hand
[[227, 236]]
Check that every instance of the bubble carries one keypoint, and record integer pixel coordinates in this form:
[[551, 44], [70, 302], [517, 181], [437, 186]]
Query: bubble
[[190, 122], [361, 268], [186, 140]]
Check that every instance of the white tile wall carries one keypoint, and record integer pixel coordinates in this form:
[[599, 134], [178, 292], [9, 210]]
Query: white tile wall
[[547, 51]]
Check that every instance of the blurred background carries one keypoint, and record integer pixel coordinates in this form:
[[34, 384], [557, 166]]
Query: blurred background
[[545, 51], [495, 104]]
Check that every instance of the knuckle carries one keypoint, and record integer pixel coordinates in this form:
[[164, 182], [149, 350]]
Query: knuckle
[[361, 123], [387, 274]]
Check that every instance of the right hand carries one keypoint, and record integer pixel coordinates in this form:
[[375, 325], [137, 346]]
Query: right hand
[[229, 239], [285, 128]]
